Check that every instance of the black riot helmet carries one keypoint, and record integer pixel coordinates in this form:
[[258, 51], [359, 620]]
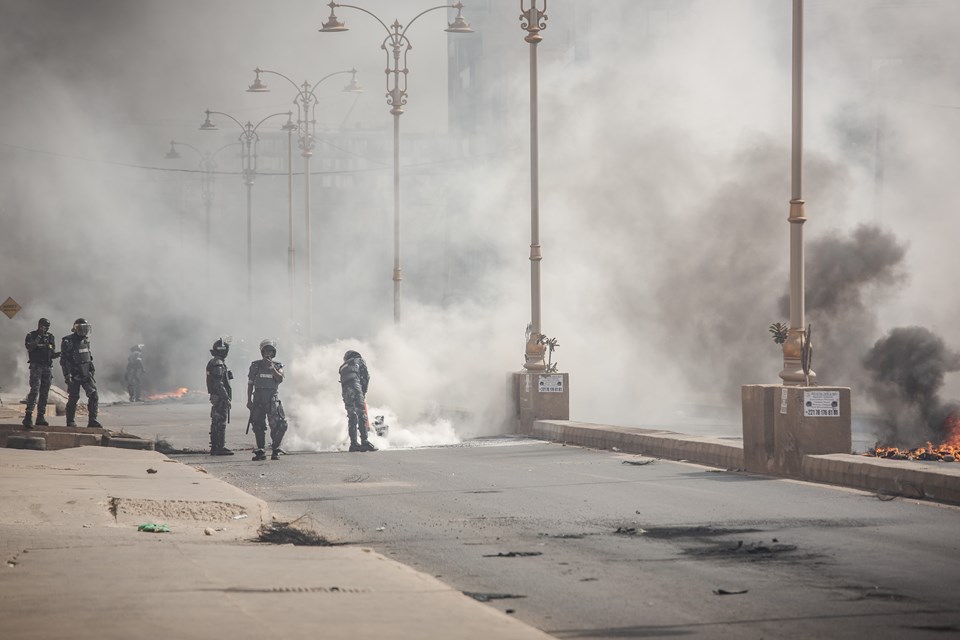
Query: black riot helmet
[[268, 348], [81, 327], [220, 348], [43, 325], [350, 354]]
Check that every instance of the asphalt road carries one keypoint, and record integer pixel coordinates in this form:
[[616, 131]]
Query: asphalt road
[[583, 545]]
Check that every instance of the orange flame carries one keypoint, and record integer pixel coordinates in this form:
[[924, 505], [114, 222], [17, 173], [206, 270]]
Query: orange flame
[[179, 393], [946, 451]]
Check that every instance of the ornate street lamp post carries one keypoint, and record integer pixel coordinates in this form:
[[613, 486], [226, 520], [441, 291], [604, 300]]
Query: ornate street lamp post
[[796, 368], [533, 20], [306, 101], [396, 45], [248, 140]]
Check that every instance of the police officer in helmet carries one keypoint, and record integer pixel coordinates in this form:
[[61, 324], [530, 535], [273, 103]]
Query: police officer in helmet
[[41, 354], [263, 381], [354, 380], [221, 395], [76, 362]]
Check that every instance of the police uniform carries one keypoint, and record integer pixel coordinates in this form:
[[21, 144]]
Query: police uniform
[[76, 361], [221, 395], [264, 402], [354, 380], [41, 354], [134, 373]]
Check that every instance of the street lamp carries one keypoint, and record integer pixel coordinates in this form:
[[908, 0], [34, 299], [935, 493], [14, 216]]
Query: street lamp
[[207, 166], [248, 140], [396, 44], [796, 367], [533, 20], [306, 101]]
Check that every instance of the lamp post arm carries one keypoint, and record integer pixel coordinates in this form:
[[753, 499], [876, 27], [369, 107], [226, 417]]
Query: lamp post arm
[[277, 73], [369, 13], [272, 115], [187, 145], [227, 115], [329, 75], [414, 19]]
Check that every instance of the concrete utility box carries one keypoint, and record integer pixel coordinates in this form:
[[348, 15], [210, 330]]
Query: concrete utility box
[[782, 424], [539, 396]]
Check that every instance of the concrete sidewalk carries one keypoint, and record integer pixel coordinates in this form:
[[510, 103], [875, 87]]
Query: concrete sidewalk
[[76, 566]]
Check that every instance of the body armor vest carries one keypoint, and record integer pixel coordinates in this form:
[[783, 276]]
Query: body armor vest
[[40, 348], [261, 375]]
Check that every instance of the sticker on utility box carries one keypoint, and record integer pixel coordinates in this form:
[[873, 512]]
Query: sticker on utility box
[[551, 384], [818, 404]]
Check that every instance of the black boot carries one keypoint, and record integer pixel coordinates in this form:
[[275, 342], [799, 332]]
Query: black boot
[[366, 445], [93, 424], [259, 455], [71, 412], [28, 420], [355, 446], [275, 455], [41, 417]]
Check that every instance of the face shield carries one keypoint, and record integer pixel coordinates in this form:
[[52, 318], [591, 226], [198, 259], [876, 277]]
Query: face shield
[[83, 330]]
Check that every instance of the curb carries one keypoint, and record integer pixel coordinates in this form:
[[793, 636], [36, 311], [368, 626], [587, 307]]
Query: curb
[[935, 481]]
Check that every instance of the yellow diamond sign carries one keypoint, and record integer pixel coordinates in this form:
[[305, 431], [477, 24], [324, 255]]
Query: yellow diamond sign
[[10, 307]]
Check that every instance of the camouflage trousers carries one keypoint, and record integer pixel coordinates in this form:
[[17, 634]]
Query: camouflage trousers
[[356, 406], [219, 410], [267, 410], [40, 377]]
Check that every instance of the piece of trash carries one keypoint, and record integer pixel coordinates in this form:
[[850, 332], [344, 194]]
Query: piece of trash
[[509, 611], [724, 592], [240, 517], [487, 597], [87, 526], [626, 531], [208, 531], [614, 449], [381, 528], [150, 527], [151, 470], [514, 554], [638, 463], [380, 427]]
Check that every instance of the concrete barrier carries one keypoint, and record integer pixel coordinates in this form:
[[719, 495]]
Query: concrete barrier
[[656, 443]]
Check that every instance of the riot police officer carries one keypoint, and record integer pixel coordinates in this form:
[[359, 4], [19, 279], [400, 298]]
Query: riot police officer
[[41, 354], [263, 380], [134, 373], [354, 380], [76, 361], [221, 395]]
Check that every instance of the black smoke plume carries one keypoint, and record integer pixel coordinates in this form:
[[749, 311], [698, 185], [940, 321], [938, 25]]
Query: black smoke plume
[[907, 368]]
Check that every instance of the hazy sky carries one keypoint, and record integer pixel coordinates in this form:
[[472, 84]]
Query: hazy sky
[[665, 131]]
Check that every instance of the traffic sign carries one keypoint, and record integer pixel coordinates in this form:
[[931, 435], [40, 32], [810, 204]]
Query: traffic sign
[[10, 307]]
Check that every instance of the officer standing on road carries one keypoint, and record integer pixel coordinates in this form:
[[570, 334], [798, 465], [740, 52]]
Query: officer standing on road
[[134, 372], [354, 380], [263, 380], [76, 361], [221, 395], [41, 354]]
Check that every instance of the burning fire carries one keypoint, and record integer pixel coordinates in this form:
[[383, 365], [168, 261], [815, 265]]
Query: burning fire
[[946, 451], [179, 393]]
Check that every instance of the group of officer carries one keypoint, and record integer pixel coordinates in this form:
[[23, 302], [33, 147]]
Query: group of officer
[[76, 363], [263, 382]]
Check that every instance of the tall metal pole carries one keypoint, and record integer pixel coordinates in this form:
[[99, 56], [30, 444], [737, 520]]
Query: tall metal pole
[[249, 246], [793, 373], [291, 251], [533, 20], [397, 276], [306, 198]]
